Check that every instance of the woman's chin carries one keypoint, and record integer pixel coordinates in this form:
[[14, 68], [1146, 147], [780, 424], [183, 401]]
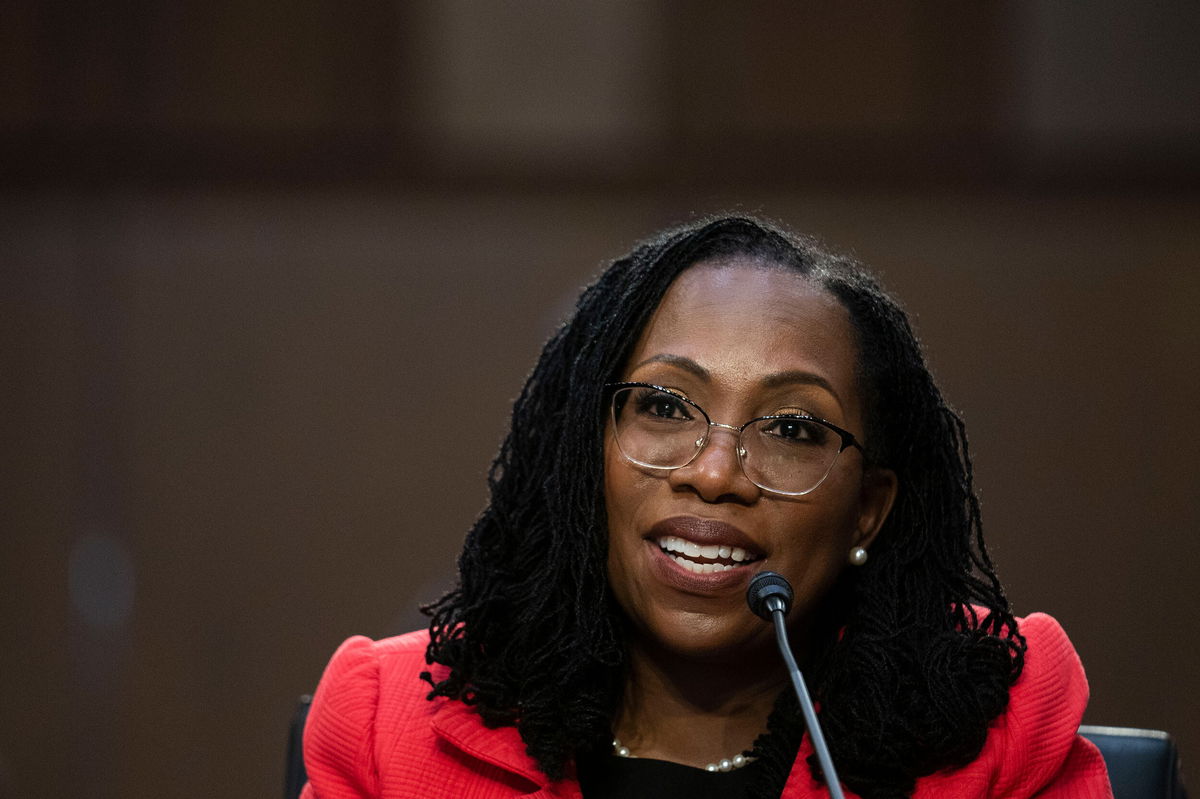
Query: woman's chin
[[707, 637]]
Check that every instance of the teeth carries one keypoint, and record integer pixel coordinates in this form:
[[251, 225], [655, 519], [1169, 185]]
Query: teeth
[[690, 549], [701, 568]]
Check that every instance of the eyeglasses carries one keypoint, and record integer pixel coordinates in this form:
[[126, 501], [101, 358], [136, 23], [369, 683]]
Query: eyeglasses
[[788, 454]]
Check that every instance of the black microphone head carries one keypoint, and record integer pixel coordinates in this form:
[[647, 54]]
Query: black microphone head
[[765, 586]]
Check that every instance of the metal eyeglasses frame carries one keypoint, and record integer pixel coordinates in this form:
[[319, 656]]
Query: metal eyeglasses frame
[[847, 438]]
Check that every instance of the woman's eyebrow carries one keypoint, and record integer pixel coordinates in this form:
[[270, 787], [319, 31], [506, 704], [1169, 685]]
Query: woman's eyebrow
[[793, 377], [778, 380], [686, 364]]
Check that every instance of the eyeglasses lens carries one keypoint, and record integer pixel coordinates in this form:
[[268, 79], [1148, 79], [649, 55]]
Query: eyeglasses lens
[[660, 430]]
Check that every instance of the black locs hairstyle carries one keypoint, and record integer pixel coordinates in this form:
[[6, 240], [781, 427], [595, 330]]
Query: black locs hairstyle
[[532, 636]]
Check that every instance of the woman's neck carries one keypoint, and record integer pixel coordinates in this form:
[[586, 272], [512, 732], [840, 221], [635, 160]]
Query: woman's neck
[[695, 712]]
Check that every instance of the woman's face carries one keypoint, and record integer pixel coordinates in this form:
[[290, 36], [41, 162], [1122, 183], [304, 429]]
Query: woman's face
[[741, 341]]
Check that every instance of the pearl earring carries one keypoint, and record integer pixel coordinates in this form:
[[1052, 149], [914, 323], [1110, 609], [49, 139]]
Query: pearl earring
[[858, 556]]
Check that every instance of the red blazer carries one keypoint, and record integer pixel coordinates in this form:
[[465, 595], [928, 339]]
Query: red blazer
[[372, 733]]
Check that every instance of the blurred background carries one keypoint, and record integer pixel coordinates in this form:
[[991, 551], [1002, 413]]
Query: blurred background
[[273, 273]]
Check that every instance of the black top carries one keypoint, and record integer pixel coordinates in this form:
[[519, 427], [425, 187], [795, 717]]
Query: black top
[[611, 777]]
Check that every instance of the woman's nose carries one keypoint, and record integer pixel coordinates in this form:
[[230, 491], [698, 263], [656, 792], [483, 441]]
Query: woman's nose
[[716, 474]]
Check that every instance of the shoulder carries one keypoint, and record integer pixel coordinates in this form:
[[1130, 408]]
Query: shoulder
[[1033, 746], [365, 678], [1036, 740], [372, 731], [1052, 689], [369, 697]]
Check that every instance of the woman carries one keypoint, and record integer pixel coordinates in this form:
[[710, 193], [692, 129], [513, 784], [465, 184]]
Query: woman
[[727, 399]]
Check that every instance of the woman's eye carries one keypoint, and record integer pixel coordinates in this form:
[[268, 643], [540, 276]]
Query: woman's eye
[[664, 406], [794, 429]]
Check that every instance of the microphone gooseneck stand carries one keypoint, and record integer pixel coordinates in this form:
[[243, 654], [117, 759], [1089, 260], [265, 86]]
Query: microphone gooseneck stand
[[770, 596]]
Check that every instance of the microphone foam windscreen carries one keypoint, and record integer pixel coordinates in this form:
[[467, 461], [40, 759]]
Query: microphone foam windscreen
[[764, 586]]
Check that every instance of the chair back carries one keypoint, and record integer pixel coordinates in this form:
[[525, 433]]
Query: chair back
[[294, 775], [1142, 764]]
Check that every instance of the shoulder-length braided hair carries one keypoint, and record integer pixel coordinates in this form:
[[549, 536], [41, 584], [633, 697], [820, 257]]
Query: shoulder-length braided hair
[[928, 645]]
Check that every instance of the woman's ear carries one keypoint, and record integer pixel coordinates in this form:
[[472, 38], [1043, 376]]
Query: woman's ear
[[878, 494]]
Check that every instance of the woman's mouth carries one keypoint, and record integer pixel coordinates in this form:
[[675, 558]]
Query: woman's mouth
[[700, 556], [704, 558]]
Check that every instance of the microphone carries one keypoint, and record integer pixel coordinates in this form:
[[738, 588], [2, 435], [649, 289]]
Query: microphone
[[770, 597], [767, 593]]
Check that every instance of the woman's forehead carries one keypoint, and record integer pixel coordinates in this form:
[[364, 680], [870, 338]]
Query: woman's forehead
[[745, 324], [748, 281], [731, 298]]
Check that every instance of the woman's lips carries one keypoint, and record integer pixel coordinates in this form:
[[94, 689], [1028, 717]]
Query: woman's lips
[[704, 532], [691, 548]]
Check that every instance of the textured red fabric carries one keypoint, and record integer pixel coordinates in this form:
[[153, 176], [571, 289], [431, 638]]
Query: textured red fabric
[[372, 733]]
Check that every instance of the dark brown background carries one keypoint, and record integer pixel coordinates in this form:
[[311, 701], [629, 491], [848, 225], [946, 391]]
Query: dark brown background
[[272, 274]]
